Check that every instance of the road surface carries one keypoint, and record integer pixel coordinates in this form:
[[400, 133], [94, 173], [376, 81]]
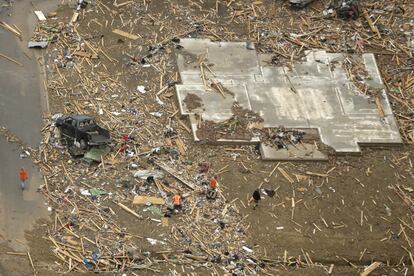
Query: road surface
[[21, 105]]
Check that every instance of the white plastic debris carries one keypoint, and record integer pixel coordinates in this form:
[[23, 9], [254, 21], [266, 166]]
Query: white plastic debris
[[85, 192], [156, 114], [40, 15], [159, 101], [143, 174], [57, 116], [141, 89], [154, 241], [247, 249]]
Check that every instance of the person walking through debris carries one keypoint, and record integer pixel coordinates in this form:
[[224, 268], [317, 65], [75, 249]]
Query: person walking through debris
[[23, 177], [150, 180], [212, 190], [177, 202], [256, 198], [213, 183]]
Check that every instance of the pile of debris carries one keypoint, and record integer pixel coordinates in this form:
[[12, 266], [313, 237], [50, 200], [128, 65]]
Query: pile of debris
[[241, 126], [346, 9]]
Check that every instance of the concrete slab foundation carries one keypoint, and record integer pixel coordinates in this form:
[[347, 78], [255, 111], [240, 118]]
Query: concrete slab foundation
[[304, 152], [314, 94]]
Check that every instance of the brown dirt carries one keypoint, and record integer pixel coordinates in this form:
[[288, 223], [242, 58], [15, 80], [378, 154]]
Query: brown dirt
[[193, 101], [360, 183]]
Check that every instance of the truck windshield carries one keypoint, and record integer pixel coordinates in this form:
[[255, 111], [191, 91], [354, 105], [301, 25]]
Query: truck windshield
[[86, 124]]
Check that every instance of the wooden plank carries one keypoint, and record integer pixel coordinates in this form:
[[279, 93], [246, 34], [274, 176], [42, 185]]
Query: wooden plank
[[85, 54], [184, 126], [370, 268], [74, 17], [316, 174], [10, 29], [141, 200], [286, 175], [371, 24], [129, 210], [123, 4], [10, 59], [175, 174], [181, 146], [40, 15], [125, 34]]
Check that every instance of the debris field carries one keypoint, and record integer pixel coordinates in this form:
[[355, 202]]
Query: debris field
[[117, 62]]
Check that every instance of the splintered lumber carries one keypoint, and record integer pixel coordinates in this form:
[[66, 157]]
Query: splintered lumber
[[85, 54], [317, 174], [173, 173], [181, 146], [10, 59], [125, 34], [74, 17], [31, 262], [10, 29], [184, 125], [374, 28], [141, 200], [286, 175], [128, 210], [274, 169], [270, 174], [370, 268], [122, 4], [16, 253]]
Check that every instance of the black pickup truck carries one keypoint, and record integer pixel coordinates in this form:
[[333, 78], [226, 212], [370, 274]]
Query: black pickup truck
[[82, 131]]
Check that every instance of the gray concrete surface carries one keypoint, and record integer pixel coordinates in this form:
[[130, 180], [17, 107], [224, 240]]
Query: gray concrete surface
[[21, 102], [315, 94]]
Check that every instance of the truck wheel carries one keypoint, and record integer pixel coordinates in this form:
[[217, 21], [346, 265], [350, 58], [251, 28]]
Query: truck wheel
[[69, 142]]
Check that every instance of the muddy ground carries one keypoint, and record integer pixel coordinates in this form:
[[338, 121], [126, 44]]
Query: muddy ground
[[348, 217]]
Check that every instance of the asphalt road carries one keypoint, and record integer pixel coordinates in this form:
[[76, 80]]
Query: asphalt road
[[21, 105]]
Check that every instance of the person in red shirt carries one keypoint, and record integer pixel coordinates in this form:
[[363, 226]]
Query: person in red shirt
[[23, 176]]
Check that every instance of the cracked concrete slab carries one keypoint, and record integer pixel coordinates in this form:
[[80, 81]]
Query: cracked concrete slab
[[314, 94]]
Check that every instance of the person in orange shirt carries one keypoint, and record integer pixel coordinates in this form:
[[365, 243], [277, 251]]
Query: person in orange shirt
[[213, 183], [177, 201], [23, 177], [212, 190]]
